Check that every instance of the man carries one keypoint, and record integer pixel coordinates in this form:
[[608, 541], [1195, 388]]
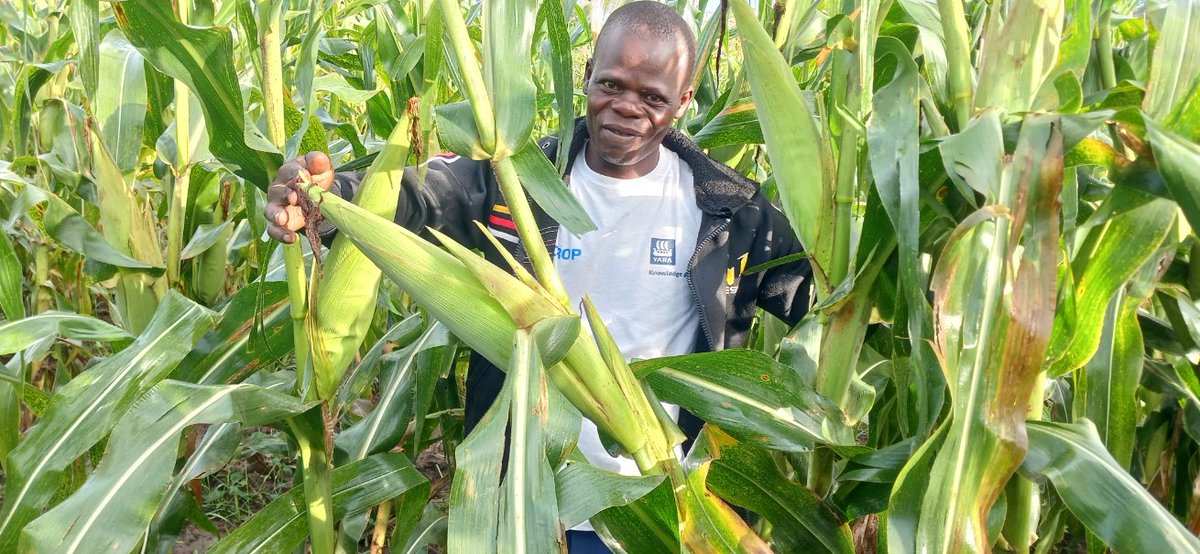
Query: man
[[676, 230]]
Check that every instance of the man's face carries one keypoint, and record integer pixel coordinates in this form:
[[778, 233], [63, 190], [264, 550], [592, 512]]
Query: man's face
[[636, 87]]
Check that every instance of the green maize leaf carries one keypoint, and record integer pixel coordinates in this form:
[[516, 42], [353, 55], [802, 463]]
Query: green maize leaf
[[282, 525], [112, 506], [1020, 56], [748, 476], [214, 451], [85, 24], [429, 530], [1068, 93], [1177, 380], [207, 235], [357, 382], [346, 294], [584, 490], [1140, 231], [1173, 91], [708, 524], [1109, 502], [973, 157], [220, 441], [254, 331], [29, 80], [648, 525], [894, 150], [904, 513], [1091, 151], [10, 421], [70, 229], [559, 38], [992, 329], [300, 138], [542, 182], [475, 492], [1177, 158], [34, 399], [520, 512], [867, 480], [432, 365], [457, 130], [735, 125], [338, 86], [1106, 387], [793, 143], [409, 509], [121, 105], [18, 334], [432, 75], [84, 410], [384, 427], [529, 508], [508, 27], [562, 431], [160, 92], [750, 396], [1076, 46], [201, 58], [554, 337], [400, 50]]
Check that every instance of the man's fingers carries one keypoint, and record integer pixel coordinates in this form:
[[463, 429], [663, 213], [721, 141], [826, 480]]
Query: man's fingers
[[283, 215], [280, 234], [320, 168], [295, 218]]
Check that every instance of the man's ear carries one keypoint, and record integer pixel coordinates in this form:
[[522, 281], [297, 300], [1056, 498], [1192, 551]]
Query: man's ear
[[683, 102], [587, 74]]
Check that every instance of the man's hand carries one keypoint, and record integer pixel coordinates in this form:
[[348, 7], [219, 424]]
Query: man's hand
[[283, 213]]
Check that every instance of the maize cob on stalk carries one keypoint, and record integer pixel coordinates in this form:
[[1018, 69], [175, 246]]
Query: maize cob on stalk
[[349, 285], [484, 306]]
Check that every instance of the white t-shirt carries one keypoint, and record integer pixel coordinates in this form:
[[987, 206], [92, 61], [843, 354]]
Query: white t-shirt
[[634, 267]]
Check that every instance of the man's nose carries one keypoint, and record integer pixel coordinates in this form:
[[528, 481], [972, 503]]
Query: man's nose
[[626, 104]]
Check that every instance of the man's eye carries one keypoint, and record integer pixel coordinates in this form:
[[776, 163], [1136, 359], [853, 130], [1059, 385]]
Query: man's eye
[[608, 85], [655, 99]]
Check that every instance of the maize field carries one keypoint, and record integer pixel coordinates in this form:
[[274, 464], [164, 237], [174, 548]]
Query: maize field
[[996, 197]]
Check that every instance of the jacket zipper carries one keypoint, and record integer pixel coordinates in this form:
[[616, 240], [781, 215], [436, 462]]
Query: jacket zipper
[[692, 284]]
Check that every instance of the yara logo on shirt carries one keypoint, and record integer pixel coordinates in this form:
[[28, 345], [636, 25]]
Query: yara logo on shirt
[[662, 251]]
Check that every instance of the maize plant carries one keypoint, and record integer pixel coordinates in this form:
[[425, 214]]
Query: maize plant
[[997, 199]]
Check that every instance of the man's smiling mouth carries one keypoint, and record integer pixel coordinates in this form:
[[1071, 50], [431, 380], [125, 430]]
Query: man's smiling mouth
[[620, 132]]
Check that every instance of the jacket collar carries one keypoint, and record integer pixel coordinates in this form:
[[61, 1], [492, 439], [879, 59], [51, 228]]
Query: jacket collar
[[719, 189]]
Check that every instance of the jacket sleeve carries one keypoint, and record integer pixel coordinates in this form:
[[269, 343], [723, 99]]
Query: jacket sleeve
[[453, 194], [785, 289]]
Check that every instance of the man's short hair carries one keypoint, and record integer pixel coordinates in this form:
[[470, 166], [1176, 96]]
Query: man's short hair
[[659, 21]]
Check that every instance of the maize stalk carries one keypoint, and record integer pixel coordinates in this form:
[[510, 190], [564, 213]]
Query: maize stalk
[[958, 57], [506, 173], [179, 190], [315, 458]]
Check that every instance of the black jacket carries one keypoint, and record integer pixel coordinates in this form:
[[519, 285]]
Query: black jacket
[[739, 229]]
